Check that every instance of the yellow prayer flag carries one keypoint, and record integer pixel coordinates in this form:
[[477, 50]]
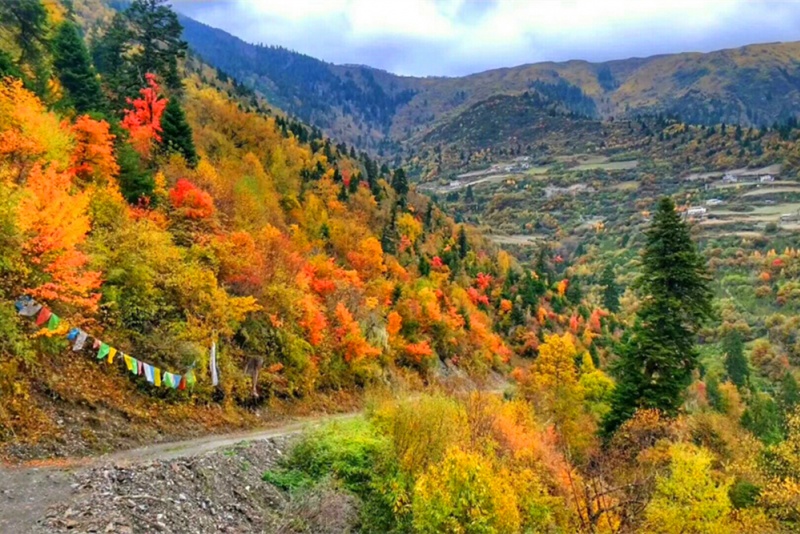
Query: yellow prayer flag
[[111, 353], [128, 362], [158, 377]]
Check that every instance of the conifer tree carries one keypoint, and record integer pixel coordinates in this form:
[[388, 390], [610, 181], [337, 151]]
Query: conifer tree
[[71, 60], [611, 291], [390, 235], [463, 244], [735, 360], [118, 77], [135, 181], [25, 23], [157, 33], [176, 134], [400, 182], [656, 363]]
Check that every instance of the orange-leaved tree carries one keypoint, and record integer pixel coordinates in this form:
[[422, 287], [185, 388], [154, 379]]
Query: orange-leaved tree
[[55, 223], [143, 122], [93, 156], [351, 340]]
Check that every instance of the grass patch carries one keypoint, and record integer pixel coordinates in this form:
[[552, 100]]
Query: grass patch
[[288, 480]]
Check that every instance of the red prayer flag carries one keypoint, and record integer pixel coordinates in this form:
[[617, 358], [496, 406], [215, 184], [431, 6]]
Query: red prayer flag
[[43, 317]]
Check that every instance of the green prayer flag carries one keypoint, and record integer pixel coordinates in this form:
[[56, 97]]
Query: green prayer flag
[[103, 352], [53, 322]]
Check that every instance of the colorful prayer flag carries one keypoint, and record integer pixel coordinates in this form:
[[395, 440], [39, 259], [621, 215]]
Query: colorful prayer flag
[[53, 322], [103, 351], [27, 307], [128, 362], [43, 317], [111, 353], [80, 341], [149, 373], [157, 377], [213, 365], [73, 334]]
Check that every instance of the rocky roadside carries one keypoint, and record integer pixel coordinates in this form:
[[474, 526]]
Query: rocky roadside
[[220, 491]]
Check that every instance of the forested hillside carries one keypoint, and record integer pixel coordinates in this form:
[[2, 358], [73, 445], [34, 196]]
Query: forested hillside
[[159, 213]]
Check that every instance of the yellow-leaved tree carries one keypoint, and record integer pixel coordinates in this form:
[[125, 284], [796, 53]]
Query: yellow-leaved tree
[[689, 498]]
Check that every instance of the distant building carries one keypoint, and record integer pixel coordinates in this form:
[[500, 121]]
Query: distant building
[[714, 202], [729, 179], [766, 179], [698, 212], [789, 217]]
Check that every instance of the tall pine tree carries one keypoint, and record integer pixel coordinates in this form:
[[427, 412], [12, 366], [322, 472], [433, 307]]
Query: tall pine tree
[[735, 361], [655, 365], [157, 35], [400, 185], [611, 291], [176, 134], [25, 23], [71, 60], [463, 244]]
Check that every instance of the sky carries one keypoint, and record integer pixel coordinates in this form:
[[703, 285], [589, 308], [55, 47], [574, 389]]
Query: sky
[[458, 37]]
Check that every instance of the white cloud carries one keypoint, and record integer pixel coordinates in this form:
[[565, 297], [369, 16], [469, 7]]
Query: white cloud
[[435, 37]]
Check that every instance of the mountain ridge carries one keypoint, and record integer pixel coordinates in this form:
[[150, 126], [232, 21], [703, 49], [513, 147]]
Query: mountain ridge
[[756, 84]]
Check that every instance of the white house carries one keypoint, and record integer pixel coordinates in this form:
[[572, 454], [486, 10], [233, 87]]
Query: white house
[[697, 212], [729, 179], [714, 202], [766, 179]]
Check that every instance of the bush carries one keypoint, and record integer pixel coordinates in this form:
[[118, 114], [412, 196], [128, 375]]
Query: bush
[[423, 429], [349, 451], [464, 494]]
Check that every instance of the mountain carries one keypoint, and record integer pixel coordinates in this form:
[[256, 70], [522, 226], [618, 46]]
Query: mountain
[[752, 85], [352, 103]]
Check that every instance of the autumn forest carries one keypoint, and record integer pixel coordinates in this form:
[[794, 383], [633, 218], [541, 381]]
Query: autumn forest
[[153, 207]]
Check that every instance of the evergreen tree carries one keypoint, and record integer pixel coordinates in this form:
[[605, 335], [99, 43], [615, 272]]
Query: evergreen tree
[[470, 196], [71, 60], [135, 182], [146, 38], [176, 133], [463, 244], [390, 235], [424, 266], [429, 216], [735, 360], [7, 66], [118, 76], [656, 363], [25, 23], [612, 291], [156, 35], [788, 393], [400, 182]]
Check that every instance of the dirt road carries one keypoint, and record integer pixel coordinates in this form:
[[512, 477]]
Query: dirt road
[[27, 492]]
